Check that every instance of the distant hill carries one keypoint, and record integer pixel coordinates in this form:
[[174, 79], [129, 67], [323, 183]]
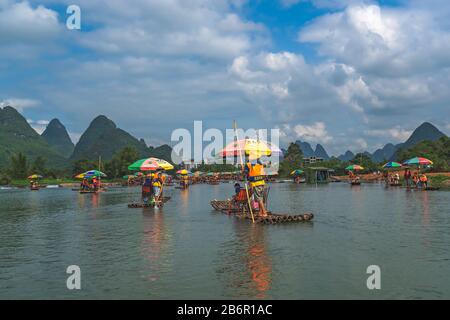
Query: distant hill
[[321, 153], [385, 153], [347, 156], [308, 151], [437, 151], [56, 135], [162, 152], [306, 148], [425, 132], [103, 139], [16, 135]]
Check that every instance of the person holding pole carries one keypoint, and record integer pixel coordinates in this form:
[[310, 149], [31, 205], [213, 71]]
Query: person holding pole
[[255, 176]]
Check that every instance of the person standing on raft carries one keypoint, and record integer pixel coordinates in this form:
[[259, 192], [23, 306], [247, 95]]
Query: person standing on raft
[[147, 190], [255, 176], [157, 184]]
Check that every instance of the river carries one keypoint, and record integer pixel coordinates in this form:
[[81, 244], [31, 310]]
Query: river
[[188, 251]]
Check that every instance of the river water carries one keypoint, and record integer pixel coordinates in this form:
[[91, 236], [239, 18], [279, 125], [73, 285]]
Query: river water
[[188, 251]]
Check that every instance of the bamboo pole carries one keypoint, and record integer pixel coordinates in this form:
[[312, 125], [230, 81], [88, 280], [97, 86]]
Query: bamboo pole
[[245, 178]]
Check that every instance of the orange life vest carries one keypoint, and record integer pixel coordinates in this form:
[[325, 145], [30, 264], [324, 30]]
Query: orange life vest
[[256, 174]]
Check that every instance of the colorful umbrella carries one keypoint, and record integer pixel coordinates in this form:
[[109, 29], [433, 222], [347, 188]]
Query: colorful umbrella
[[95, 173], [296, 172], [354, 167], [418, 161], [252, 148], [35, 177], [150, 164], [392, 165], [182, 171]]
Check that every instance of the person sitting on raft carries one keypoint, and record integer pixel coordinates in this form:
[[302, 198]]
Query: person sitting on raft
[[255, 175], [237, 188], [147, 190], [423, 181], [84, 185]]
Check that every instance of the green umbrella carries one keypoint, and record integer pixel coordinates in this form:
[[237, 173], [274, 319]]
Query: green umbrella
[[392, 165], [354, 167], [296, 172]]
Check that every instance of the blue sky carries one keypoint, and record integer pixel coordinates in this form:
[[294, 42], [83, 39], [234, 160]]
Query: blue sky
[[348, 74]]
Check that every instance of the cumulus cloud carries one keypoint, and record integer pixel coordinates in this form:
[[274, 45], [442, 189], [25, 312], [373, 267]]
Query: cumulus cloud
[[176, 28], [202, 59], [314, 133], [19, 103], [20, 23], [38, 125], [396, 134]]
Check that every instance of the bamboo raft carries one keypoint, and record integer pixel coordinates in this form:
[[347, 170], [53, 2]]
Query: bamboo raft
[[148, 205], [271, 218]]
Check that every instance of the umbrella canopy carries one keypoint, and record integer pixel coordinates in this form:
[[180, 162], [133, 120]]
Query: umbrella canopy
[[150, 164], [392, 165], [418, 161], [95, 173], [252, 148], [182, 171], [91, 174], [296, 172], [35, 176], [354, 167]]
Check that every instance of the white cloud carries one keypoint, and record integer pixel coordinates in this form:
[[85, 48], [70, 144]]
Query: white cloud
[[19, 103], [21, 23], [315, 133], [381, 41], [397, 134], [170, 28], [38, 125]]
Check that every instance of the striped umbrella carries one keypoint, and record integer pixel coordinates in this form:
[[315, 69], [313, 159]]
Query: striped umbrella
[[418, 161], [250, 147], [392, 165], [150, 164], [354, 167], [183, 172], [95, 173], [296, 172]]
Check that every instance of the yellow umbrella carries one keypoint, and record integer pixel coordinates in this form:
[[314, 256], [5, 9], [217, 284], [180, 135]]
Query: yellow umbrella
[[252, 148], [35, 177]]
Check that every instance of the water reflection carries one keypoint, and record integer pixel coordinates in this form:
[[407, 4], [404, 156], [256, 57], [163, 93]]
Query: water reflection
[[156, 242], [425, 207], [246, 267], [259, 263]]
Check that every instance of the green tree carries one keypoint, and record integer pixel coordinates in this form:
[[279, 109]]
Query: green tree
[[118, 166], [437, 151], [19, 166], [38, 166], [366, 161], [292, 160], [81, 166]]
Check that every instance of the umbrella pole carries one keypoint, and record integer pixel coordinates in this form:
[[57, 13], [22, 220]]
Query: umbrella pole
[[245, 178]]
